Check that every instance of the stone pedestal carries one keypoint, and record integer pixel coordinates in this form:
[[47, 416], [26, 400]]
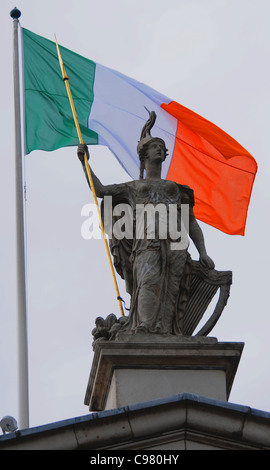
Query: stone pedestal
[[139, 369]]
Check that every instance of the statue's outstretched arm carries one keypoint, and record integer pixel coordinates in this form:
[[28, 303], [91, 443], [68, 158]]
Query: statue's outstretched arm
[[196, 235], [100, 189]]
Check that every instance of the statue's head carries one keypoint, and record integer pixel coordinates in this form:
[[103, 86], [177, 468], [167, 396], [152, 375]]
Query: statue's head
[[147, 141]]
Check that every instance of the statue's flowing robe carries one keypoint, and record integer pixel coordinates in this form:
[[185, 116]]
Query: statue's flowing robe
[[157, 277]]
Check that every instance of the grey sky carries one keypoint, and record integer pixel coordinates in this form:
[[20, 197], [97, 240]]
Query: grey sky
[[212, 56]]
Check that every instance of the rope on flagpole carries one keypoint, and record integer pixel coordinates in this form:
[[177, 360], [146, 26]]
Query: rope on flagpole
[[65, 79]]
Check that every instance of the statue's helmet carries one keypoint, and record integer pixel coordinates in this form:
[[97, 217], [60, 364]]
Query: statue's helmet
[[146, 138]]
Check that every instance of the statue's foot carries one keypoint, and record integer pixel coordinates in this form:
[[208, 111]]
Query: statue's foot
[[141, 329]]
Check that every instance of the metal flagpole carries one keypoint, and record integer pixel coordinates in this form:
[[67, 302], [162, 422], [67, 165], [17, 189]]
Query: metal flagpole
[[23, 394]]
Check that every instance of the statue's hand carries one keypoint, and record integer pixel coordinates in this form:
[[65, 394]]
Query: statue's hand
[[82, 149], [207, 262]]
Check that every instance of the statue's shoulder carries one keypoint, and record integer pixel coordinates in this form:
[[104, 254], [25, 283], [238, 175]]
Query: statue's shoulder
[[188, 194]]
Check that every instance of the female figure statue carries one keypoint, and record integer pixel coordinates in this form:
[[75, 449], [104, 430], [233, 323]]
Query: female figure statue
[[156, 276]]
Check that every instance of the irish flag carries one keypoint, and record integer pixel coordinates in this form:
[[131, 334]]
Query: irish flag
[[111, 110]]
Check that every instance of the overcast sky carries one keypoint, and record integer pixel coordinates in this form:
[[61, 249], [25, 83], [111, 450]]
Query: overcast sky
[[212, 56]]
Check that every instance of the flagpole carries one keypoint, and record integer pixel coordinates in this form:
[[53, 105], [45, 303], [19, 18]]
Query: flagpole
[[23, 393], [88, 171]]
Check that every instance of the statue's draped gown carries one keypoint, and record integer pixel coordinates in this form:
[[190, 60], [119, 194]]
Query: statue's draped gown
[[156, 276]]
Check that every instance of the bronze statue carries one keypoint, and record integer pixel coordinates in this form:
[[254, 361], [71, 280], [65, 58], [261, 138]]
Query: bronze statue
[[159, 279]]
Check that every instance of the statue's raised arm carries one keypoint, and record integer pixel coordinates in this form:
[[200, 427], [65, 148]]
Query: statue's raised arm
[[99, 188]]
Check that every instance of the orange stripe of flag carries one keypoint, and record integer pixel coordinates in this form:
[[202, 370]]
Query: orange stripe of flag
[[219, 170]]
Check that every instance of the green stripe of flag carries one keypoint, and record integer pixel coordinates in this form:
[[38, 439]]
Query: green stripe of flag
[[49, 123]]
